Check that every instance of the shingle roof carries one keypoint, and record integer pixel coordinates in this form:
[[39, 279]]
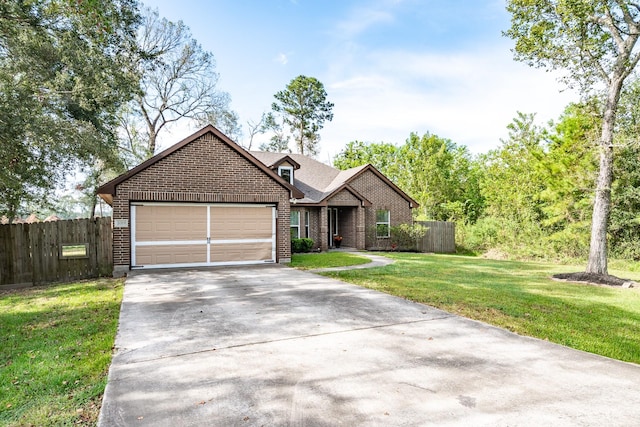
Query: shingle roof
[[318, 181]]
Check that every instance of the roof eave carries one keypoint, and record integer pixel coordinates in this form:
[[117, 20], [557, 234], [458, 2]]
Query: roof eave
[[110, 187], [412, 203]]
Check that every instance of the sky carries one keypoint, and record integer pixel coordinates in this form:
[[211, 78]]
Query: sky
[[391, 67]]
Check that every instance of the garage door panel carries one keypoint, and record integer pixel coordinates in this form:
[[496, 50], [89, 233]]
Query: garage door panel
[[238, 252], [235, 234], [171, 254], [167, 223], [241, 223]]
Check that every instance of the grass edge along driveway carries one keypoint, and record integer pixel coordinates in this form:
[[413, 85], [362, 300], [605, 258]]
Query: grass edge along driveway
[[518, 296], [55, 350]]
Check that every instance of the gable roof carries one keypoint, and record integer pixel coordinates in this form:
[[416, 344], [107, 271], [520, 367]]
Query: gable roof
[[319, 181], [108, 190]]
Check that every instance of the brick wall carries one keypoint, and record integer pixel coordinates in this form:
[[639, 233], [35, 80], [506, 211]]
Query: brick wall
[[344, 198], [205, 170], [381, 196], [314, 226]]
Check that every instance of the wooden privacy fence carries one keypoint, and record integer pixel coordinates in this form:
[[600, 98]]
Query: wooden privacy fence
[[55, 251], [440, 238]]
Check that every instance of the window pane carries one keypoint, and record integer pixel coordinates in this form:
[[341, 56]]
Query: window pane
[[382, 216], [382, 230], [295, 218], [286, 172], [295, 233]]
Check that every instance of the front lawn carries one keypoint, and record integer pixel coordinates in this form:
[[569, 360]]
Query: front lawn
[[55, 351], [518, 296], [326, 260]]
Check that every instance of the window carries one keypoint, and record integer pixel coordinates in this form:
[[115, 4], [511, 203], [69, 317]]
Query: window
[[306, 224], [295, 225], [286, 172], [382, 223], [73, 251]]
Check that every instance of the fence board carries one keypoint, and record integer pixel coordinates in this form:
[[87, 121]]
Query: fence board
[[440, 237], [30, 253]]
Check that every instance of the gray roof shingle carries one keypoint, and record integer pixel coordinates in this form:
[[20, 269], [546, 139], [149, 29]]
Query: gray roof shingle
[[317, 180]]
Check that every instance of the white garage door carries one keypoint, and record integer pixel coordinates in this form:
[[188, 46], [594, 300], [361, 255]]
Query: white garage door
[[181, 235]]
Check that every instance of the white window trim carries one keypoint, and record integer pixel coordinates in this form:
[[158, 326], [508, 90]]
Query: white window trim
[[297, 227], [387, 223], [290, 169], [307, 231]]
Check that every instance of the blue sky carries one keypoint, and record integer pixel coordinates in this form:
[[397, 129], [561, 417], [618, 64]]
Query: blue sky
[[391, 67]]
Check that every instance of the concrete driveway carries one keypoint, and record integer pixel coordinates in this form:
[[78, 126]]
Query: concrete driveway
[[273, 346]]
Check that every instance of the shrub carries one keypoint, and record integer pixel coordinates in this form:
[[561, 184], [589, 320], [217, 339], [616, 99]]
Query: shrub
[[301, 245], [402, 237]]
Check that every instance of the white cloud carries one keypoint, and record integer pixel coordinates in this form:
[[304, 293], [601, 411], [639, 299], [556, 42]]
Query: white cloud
[[468, 97], [282, 58], [362, 18]]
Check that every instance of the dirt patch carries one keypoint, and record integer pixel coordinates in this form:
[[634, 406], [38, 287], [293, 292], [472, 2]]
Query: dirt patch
[[596, 279]]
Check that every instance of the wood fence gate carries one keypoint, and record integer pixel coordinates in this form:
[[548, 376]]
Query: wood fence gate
[[55, 251], [440, 238]]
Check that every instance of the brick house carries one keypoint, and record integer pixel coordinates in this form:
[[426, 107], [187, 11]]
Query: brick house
[[359, 204], [207, 201]]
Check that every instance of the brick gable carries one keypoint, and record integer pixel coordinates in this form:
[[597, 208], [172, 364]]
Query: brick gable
[[207, 170], [381, 196]]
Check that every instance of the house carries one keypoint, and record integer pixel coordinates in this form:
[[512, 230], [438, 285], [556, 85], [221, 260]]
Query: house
[[359, 205], [207, 201]]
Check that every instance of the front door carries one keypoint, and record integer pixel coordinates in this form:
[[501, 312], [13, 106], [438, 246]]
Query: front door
[[333, 224]]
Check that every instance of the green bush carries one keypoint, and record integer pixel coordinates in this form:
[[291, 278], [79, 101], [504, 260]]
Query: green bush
[[401, 238], [301, 245]]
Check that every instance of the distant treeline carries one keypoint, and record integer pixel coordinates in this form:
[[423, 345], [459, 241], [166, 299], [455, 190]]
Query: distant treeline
[[530, 198]]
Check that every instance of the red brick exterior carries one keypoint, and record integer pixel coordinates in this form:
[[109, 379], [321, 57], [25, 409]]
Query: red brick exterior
[[381, 196], [356, 224], [205, 170]]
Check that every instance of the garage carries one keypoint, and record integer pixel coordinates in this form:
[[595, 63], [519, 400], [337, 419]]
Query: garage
[[167, 235], [203, 201]]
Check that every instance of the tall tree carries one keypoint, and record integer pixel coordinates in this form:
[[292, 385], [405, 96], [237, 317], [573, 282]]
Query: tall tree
[[304, 107], [436, 172], [178, 81], [568, 171], [595, 41], [624, 229], [279, 141], [512, 183], [383, 156], [63, 75]]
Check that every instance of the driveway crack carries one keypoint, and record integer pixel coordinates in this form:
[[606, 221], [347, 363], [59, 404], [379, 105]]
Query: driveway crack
[[297, 337]]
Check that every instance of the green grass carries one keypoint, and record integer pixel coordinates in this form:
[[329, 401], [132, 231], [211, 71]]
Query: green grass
[[518, 296], [55, 351], [326, 260]]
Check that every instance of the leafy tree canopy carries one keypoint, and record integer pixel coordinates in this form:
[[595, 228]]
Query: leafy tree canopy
[[63, 75], [595, 42], [304, 108]]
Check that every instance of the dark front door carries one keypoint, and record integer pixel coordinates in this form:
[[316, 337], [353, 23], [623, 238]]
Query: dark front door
[[333, 225]]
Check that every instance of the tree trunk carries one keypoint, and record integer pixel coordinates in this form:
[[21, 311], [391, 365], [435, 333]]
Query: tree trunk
[[152, 141], [598, 247], [93, 205], [599, 222]]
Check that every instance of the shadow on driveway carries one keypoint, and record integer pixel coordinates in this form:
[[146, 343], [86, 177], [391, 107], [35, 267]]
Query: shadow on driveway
[[270, 345]]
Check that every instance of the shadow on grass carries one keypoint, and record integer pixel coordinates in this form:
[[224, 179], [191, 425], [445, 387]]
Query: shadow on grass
[[517, 296], [55, 349]]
